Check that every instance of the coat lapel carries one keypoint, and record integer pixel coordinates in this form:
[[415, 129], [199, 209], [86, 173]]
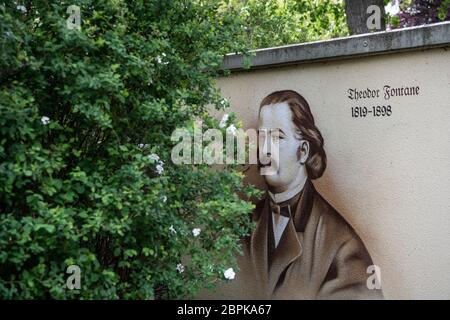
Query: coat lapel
[[304, 207], [259, 246], [287, 251], [290, 247]]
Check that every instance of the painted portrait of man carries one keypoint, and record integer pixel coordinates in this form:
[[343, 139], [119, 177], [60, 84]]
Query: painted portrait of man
[[301, 248]]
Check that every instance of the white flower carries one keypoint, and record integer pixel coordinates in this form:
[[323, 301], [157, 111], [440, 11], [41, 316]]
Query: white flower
[[232, 129], [22, 8], [45, 120], [196, 232], [159, 169], [172, 229], [160, 60], [164, 199], [180, 268], [229, 274], [223, 102], [224, 120], [153, 156], [142, 145], [392, 7]]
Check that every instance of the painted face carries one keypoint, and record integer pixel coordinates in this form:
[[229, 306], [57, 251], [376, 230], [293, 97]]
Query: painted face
[[279, 141]]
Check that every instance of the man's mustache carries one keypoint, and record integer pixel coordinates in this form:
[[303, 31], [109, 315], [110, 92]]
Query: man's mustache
[[269, 167], [266, 156], [263, 165]]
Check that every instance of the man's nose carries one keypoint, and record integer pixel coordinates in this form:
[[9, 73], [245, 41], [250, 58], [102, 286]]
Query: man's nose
[[266, 147], [265, 153]]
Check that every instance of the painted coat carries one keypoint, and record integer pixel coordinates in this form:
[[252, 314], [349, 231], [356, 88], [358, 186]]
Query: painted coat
[[319, 256]]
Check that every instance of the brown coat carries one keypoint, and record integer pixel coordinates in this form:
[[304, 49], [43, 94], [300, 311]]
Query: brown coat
[[319, 257]]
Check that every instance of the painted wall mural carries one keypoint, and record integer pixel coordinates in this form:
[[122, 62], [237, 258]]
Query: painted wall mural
[[358, 207], [302, 248]]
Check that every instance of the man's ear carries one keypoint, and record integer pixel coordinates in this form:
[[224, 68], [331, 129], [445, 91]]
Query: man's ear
[[303, 151]]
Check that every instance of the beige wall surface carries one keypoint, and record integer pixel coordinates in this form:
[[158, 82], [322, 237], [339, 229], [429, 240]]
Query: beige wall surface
[[389, 176]]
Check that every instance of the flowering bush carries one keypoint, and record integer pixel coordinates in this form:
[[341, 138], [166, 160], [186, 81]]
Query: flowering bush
[[86, 116]]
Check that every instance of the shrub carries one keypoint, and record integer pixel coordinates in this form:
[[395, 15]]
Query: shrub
[[83, 114]]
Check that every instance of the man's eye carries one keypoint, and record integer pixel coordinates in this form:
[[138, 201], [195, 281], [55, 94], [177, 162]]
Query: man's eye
[[277, 137]]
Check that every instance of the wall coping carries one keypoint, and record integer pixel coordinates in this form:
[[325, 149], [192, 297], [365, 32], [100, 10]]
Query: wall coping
[[376, 43]]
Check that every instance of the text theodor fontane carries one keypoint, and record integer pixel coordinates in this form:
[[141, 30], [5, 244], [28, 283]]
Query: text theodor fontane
[[376, 109]]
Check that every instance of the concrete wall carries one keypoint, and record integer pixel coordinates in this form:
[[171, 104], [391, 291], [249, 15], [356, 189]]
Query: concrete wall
[[389, 176]]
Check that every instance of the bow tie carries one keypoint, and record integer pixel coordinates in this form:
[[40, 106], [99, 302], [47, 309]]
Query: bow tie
[[283, 209]]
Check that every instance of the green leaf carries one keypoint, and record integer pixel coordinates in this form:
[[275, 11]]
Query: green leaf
[[47, 227]]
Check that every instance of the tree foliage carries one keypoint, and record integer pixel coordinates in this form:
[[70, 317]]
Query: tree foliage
[[271, 23], [83, 114], [420, 12]]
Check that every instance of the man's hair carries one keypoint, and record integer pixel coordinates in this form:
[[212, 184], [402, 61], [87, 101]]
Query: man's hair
[[304, 121]]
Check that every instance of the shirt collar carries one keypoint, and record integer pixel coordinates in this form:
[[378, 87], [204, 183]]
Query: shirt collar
[[286, 195]]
